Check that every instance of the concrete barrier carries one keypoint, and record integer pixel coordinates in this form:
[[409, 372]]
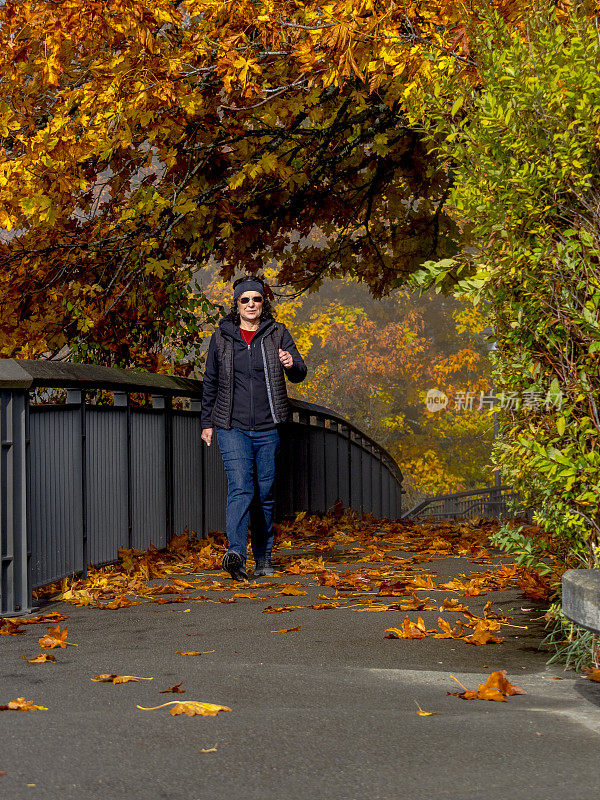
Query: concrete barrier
[[581, 597]]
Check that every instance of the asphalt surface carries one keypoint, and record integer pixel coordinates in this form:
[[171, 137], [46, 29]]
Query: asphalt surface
[[328, 711]]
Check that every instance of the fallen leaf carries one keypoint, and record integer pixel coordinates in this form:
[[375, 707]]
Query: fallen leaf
[[452, 604], [593, 674], [422, 713], [447, 632], [292, 590], [119, 678], [397, 589], [288, 630], [212, 749], [11, 628], [190, 707], [40, 659], [55, 638], [172, 610], [53, 616], [409, 630], [279, 610], [496, 688], [176, 689], [20, 704], [481, 635], [118, 602], [193, 652], [167, 600]]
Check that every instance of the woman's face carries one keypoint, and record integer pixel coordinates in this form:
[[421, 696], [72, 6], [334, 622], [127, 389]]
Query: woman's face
[[250, 306]]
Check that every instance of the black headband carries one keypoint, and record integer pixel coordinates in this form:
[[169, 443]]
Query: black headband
[[248, 286]]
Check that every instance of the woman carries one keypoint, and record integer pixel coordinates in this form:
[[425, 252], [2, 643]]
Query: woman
[[244, 397]]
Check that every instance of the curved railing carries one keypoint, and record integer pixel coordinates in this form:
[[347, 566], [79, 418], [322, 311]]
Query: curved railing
[[491, 502], [80, 478]]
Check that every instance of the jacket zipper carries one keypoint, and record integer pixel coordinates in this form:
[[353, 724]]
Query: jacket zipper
[[268, 382], [251, 389], [231, 386]]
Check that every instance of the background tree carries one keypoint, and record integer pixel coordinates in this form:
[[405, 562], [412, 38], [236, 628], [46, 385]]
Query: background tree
[[374, 360]]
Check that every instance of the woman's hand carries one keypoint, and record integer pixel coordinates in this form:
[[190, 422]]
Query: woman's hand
[[206, 435], [285, 358]]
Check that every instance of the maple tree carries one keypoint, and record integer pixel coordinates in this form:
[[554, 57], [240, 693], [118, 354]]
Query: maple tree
[[139, 138]]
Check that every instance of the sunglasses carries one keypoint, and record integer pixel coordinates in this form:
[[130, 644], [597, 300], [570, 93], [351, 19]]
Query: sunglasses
[[244, 300]]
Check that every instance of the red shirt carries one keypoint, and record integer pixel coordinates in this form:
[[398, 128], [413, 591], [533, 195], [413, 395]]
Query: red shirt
[[247, 336]]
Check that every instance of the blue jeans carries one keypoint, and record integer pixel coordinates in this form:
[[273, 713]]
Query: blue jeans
[[249, 458]]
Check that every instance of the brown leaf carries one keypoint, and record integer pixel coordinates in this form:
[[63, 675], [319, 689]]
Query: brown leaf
[[55, 638], [11, 628], [279, 610], [397, 589], [409, 630], [193, 652], [119, 602], [112, 678], [453, 605], [288, 630], [167, 600], [176, 689], [20, 704], [593, 674], [496, 689], [292, 590], [481, 635], [498, 680], [422, 713], [447, 632], [41, 658], [191, 708]]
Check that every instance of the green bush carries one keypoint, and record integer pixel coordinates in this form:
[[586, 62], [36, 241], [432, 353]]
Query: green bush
[[526, 194]]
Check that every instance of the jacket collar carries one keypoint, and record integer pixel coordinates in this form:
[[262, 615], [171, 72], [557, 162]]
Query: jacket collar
[[232, 331]]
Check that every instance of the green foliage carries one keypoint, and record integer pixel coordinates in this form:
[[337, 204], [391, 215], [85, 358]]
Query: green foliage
[[574, 646], [527, 194], [527, 551]]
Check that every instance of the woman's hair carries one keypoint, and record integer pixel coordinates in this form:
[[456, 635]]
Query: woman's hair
[[267, 311]]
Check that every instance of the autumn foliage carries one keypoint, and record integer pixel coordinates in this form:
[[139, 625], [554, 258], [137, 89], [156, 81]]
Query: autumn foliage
[[138, 139]]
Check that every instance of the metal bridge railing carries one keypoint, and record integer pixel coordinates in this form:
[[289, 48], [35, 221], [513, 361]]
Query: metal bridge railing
[[495, 502], [79, 480]]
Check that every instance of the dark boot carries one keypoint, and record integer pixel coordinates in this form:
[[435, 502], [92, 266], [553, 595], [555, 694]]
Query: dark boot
[[263, 567], [235, 565]]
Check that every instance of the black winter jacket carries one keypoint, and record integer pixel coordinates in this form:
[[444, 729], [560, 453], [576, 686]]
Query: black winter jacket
[[249, 402]]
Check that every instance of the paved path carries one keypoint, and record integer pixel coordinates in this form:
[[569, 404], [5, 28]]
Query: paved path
[[325, 712]]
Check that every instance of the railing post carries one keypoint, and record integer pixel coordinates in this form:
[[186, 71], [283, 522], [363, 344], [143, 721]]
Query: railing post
[[121, 399], [15, 592], [160, 401], [196, 408], [78, 398]]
